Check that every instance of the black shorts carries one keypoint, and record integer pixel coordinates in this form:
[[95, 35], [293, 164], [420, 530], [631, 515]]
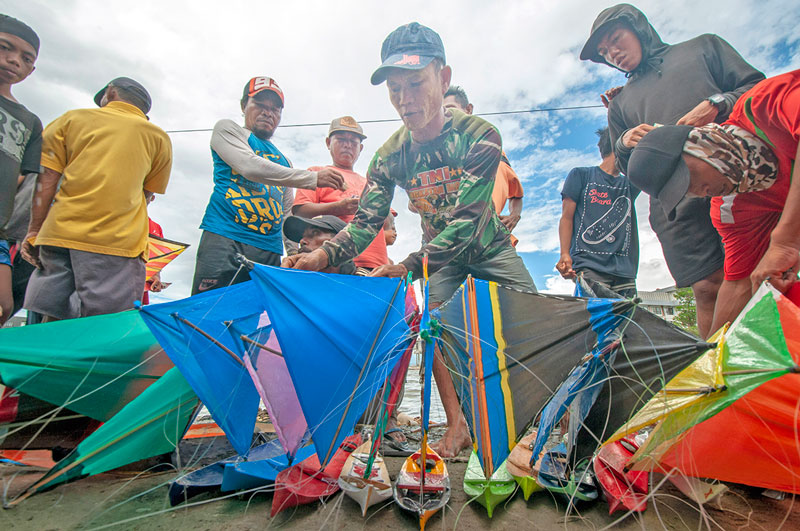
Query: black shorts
[[692, 246], [216, 265]]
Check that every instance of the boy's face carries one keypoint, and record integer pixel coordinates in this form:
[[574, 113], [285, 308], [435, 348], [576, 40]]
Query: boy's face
[[620, 47], [417, 94], [17, 58]]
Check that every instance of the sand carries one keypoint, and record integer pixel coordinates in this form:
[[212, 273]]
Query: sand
[[138, 500]]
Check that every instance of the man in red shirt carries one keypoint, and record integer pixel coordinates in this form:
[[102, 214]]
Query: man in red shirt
[[747, 166], [344, 142]]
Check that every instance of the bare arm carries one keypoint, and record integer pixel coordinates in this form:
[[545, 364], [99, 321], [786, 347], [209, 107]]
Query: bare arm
[[781, 259], [514, 213], [565, 226], [732, 297], [43, 194], [287, 202], [343, 207]]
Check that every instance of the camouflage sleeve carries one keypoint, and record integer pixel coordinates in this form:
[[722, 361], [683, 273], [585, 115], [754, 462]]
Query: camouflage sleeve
[[473, 212], [373, 207]]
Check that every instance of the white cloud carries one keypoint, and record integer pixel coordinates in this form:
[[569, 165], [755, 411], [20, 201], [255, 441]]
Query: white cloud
[[557, 285]]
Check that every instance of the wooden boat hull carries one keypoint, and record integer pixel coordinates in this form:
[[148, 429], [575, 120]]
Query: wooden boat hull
[[518, 465], [365, 491], [425, 501], [305, 483], [624, 490], [488, 493]]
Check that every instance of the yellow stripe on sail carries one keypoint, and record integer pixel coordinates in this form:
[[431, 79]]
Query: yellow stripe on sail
[[501, 365]]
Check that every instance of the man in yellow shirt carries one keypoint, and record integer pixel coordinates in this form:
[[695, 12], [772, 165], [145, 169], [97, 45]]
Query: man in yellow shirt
[[88, 236]]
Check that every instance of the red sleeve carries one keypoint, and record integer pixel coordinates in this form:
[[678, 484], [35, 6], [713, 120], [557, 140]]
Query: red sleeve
[[774, 105], [155, 228]]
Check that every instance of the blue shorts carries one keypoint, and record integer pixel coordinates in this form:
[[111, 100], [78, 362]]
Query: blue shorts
[[5, 253]]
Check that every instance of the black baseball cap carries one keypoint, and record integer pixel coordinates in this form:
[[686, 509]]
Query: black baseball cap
[[657, 167], [411, 47], [133, 86], [295, 226]]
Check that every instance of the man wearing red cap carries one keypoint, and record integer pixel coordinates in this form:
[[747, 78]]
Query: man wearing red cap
[[252, 181]]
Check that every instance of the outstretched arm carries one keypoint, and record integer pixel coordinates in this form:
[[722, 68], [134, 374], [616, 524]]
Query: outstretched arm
[[45, 191], [229, 141]]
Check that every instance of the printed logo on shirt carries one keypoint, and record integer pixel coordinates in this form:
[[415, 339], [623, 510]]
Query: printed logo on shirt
[[258, 210], [13, 136], [607, 212], [428, 189]]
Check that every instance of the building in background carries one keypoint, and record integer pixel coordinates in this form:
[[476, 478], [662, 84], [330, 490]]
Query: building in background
[[661, 302]]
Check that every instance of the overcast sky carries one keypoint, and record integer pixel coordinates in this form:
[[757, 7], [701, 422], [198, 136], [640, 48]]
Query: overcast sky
[[195, 57]]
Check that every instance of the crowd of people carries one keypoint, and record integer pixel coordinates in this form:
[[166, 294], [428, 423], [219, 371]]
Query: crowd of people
[[696, 127]]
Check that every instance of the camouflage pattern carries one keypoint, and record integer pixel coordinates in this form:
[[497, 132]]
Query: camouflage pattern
[[743, 158], [449, 181]]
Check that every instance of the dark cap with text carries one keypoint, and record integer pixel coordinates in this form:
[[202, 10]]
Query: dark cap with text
[[411, 47]]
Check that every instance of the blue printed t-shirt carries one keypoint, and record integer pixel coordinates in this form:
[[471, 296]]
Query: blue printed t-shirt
[[243, 210], [604, 234]]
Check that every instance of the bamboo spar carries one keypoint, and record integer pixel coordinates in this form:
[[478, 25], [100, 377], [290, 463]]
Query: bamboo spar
[[361, 374]]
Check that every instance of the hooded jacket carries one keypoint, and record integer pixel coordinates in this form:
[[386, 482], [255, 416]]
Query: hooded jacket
[[671, 79]]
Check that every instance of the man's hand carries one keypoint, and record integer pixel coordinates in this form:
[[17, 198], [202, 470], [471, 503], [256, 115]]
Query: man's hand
[[330, 178], [391, 270], [703, 114], [29, 251], [779, 264], [347, 206], [609, 95], [316, 260], [632, 136], [564, 266], [156, 285], [510, 221]]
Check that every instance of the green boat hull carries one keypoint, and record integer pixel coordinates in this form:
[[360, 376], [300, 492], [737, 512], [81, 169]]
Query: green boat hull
[[488, 493], [527, 485]]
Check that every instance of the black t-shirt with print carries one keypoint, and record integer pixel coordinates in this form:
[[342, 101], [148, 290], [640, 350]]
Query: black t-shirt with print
[[604, 233]]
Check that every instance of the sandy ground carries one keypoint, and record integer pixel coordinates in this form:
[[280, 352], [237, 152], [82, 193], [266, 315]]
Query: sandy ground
[[138, 500]]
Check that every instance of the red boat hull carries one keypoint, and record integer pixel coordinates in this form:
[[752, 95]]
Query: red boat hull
[[305, 483], [624, 490]]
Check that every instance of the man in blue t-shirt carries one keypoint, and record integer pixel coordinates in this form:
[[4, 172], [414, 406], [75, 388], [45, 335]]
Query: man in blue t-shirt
[[252, 190], [597, 230]]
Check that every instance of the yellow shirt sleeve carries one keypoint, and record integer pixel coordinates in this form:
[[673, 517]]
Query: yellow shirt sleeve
[[156, 181], [54, 147]]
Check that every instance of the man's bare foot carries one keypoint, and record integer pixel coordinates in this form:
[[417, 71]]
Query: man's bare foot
[[393, 431], [455, 439]]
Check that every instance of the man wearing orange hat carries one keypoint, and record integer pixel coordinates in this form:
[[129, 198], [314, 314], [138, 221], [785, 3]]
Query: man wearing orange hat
[[344, 143]]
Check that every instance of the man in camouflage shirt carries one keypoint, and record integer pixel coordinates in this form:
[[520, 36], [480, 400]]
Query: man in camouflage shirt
[[446, 160]]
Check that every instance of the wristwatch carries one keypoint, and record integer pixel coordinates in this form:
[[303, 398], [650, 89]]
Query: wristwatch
[[717, 100]]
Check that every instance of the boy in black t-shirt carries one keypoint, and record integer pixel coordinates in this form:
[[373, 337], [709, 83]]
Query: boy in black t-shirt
[[20, 136], [597, 230]]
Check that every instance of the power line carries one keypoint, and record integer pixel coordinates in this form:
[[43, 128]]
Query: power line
[[387, 120]]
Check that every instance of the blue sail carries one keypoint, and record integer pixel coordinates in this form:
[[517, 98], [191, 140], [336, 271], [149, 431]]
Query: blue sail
[[194, 334], [341, 336], [583, 385]]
